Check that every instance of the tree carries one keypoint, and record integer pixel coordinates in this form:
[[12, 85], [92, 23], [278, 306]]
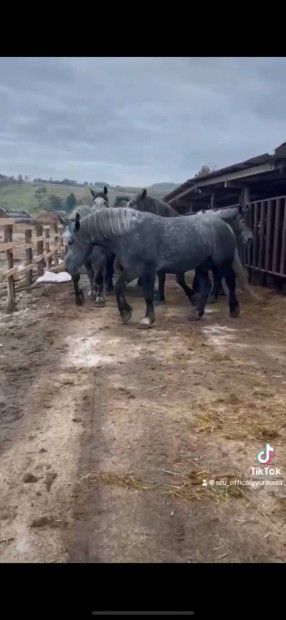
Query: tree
[[205, 170], [40, 193], [20, 179], [54, 203], [70, 202]]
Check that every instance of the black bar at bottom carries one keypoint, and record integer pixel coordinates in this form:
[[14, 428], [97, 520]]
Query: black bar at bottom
[[143, 613]]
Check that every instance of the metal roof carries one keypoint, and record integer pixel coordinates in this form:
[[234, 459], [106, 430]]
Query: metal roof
[[241, 166]]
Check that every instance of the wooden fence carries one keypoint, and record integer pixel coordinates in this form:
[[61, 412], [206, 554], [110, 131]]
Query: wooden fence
[[34, 246]]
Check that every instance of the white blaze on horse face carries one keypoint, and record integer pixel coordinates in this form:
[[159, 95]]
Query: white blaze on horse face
[[99, 202]]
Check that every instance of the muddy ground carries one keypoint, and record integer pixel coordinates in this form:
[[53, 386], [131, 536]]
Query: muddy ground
[[107, 432]]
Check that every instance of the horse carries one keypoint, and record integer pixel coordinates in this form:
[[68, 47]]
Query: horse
[[146, 244], [148, 204], [234, 217], [99, 262]]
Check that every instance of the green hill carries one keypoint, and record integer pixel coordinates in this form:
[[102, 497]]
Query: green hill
[[22, 195]]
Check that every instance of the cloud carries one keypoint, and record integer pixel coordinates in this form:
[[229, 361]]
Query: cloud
[[137, 121]]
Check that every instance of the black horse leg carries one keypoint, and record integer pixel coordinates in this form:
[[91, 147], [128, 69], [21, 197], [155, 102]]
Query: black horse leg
[[123, 307], [205, 287], [109, 274], [139, 282], [148, 281], [180, 278], [229, 276], [79, 294]]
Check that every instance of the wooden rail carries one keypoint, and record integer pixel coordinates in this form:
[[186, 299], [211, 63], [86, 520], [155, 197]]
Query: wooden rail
[[38, 246]]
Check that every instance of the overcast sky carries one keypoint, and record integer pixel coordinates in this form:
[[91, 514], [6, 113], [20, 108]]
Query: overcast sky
[[137, 121]]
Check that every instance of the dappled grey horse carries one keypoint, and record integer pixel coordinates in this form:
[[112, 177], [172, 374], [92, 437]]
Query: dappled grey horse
[[234, 218], [99, 262], [146, 244], [148, 204]]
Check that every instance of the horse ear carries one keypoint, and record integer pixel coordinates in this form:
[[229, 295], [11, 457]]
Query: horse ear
[[92, 192], [77, 222], [105, 190], [144, 192]]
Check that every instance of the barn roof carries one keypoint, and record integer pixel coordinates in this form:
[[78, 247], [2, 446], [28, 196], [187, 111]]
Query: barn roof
[[263, 173]]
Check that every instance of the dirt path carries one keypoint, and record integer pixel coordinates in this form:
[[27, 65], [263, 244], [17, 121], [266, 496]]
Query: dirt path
[[107, 432]]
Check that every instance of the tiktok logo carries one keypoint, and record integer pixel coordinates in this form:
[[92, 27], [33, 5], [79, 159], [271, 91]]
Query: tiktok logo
[[264, 455]]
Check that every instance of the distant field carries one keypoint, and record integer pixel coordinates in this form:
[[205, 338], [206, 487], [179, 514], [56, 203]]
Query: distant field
[[22, 195]]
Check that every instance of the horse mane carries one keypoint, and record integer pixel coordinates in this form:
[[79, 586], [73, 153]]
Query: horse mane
[[107, 223]]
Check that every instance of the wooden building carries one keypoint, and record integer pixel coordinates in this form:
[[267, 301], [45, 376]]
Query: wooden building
[[257, 184]]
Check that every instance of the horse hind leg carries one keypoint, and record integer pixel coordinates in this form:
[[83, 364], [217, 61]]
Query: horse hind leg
[[99, 281], [123, 307], [217, 285], [230, 279], [190, 292], [205, 287], [159, 296], [109, 275], [91, 277], [148, 281]]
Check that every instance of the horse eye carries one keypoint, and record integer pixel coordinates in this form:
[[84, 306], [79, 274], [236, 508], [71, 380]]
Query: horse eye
[[70, 241]]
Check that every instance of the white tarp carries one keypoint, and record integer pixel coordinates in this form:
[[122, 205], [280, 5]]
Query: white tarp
[[55, 278]]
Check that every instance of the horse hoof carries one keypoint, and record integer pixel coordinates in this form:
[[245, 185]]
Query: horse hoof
[[100, 302], [126, 316], [79, 300], [195, 316], [145, 323], [234, 313]]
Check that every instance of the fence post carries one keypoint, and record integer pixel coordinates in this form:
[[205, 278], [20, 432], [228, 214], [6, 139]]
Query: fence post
[[29, 257], [47, 247], [40, 249], [62, 247], [56, 244], [8, 237]]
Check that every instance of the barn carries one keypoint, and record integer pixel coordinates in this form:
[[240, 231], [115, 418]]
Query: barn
[[259, 185]]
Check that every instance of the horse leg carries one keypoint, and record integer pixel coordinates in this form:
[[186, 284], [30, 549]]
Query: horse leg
[[217, 276], [79, 294], [205, 287], [159, 296], [148, 281], [99, 281], [91, 277], [233, 303], [123, 307], [139, 282], [109, 275], [190, 292]]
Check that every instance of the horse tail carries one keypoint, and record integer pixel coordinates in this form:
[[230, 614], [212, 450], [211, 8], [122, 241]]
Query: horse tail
[[242, 277]]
